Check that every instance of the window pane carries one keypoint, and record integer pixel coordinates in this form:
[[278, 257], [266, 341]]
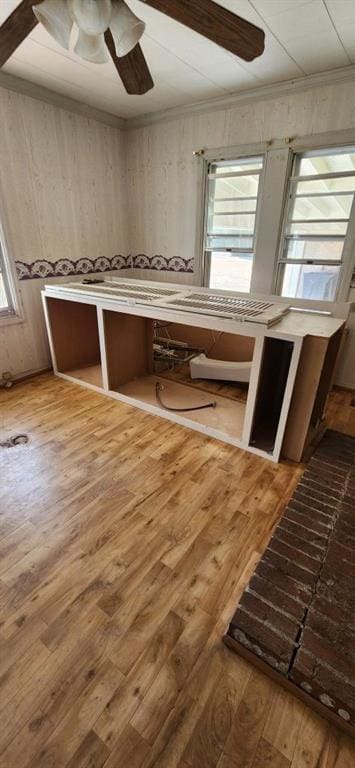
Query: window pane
[[320, 228], [304, 281], [334, 162], [231, 272], [344, 184], [314, 249], [317, 222], [243, 224], [231, 216], [4, 304], [234, 241], [243, 164], [332, 207], [235, 206], [235, 186]]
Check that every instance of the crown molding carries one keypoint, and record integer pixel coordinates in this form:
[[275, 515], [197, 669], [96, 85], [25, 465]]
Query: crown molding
[[261, 93], [27, 88]]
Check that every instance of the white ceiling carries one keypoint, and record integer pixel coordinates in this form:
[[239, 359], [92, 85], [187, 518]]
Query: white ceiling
[[303, 37]]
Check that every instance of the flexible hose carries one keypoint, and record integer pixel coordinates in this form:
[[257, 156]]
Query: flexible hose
[[159, 388]]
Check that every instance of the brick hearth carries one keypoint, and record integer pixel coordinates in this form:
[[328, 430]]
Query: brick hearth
[[297, 614]]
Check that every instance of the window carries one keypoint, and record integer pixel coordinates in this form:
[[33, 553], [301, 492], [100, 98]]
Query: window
[[6, 299], [279, 218], [320, 202], [230, 226]]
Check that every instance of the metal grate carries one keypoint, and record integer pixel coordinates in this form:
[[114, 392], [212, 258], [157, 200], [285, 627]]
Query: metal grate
[[227, 304], [230, 303], [151, 291], [231, 306], [143, 289], [106, 290], [132, 295], [213, 304], [139, 292]]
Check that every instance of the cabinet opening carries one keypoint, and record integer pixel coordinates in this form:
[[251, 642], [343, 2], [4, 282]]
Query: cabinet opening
[[75, 335], [273, 377], [185, 371]]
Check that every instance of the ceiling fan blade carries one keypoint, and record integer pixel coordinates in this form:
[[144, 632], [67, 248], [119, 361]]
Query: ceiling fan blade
[[216, 23], [16, 28], [132, 68]]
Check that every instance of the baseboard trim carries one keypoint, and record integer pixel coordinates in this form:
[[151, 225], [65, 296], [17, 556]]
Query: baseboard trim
[[345, 388], [19, 377]]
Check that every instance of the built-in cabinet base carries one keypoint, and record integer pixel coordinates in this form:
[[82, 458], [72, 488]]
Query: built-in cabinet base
[[109, 347]]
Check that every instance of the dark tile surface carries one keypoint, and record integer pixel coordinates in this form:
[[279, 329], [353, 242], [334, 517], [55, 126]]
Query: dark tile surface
[[297, 614]]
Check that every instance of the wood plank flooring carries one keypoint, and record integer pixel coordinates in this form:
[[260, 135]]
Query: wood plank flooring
[[125, 543]]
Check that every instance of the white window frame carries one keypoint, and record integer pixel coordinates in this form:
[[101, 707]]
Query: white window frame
[[13, 313], [345, 264], [273, 197], [227, 158]]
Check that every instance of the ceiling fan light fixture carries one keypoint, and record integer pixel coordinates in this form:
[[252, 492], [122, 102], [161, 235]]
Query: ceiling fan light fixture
[[91, 17], [91, 48], [55, 17], [126, 28]]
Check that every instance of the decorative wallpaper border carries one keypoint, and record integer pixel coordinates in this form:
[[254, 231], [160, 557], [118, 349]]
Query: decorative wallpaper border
[[162, 263], [65, 267]]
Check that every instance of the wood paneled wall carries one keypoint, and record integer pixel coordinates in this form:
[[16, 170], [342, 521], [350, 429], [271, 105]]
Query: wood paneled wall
[[62, 196], [165, 179], [71, 187]]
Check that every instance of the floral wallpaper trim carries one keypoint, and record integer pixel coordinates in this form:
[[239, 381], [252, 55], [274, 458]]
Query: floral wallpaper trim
[[162, 263], [65, 267]]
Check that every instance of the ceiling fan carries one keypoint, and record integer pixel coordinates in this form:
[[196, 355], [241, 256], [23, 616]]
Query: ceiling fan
[[111, 25]]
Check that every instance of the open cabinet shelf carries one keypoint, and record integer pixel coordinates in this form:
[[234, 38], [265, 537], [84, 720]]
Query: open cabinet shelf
[[75, 338], [274, 371], [91, 374], [130, 366], [227, 417]]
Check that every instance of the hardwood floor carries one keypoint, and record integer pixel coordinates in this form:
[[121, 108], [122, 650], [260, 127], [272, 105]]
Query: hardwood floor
[[125, 542]]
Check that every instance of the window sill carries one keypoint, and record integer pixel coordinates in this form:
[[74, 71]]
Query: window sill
[[12, 319]]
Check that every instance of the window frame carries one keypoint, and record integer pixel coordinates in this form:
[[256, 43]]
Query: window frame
[[345, 263], [278, 159], [13, 313], [229, 156], [9, 309]]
